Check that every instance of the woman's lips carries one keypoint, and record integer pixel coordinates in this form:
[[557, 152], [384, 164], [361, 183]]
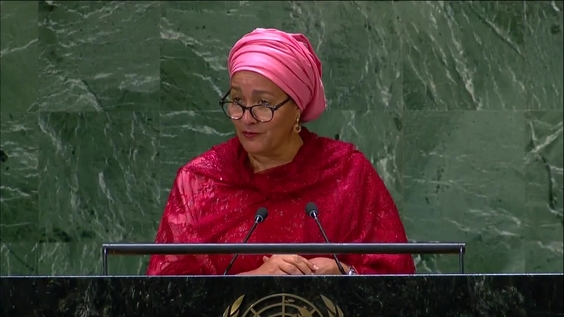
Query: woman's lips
[[250, 135]]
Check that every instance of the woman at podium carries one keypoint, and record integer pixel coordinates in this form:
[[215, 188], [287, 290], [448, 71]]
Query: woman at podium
[[274, 162]]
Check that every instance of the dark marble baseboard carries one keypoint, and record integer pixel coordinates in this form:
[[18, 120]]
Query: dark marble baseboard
[[351, 296]]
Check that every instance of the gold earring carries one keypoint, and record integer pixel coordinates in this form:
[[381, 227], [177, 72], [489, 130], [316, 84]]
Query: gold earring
[[297, 126]]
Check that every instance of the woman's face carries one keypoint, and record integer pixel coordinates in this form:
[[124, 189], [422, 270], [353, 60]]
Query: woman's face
[[249, 89]]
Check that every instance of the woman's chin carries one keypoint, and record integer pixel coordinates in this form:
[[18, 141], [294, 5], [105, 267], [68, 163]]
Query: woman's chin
[[253, 148]]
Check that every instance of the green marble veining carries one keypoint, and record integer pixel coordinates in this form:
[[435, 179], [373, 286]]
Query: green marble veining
[[463, 56], [99, 176], [98, 56], [544, 47], [19, 136], [464, 180], [543, 171], [457, 104], [19, 258], [18, 55], [99, 182]]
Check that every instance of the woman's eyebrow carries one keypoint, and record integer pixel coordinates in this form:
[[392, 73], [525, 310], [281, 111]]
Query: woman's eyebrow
[[256, 92]]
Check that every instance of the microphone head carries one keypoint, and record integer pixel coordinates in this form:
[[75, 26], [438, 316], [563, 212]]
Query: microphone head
[[261, 214], [311, 209]]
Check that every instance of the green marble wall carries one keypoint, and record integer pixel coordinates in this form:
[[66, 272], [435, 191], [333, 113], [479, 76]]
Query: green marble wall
[[458, 105]]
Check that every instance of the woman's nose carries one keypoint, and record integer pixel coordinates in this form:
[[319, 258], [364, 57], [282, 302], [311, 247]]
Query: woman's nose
[[248, 117]]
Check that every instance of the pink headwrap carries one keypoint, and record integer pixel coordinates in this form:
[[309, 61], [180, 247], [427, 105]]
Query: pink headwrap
[[286, 59]]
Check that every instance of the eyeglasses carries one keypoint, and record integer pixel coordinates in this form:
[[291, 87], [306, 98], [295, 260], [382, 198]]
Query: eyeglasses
[[262, 112]]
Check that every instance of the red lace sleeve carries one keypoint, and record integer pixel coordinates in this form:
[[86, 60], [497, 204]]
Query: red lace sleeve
[[379, 222], [176, 227]]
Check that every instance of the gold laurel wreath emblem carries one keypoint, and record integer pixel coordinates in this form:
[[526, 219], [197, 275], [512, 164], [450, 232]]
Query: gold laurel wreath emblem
[[333, 310], [233, 309]]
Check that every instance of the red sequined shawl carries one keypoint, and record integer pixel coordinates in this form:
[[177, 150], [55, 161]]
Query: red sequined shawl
[[215, 196]]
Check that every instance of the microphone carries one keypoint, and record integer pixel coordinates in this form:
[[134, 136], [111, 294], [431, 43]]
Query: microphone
[[311, 210], [260, 216]]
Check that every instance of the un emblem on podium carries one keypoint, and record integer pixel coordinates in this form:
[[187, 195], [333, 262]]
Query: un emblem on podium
[[282, 305]]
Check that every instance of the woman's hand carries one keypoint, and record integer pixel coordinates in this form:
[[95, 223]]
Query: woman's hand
[[327, 266], [285, 264]]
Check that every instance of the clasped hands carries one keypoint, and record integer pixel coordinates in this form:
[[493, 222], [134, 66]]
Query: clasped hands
[[285, 264]]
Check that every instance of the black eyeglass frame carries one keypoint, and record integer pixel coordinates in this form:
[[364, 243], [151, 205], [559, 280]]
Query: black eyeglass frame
[[223, 101]]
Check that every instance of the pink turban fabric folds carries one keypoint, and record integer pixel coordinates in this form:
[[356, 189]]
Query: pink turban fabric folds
[[286, 59]]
